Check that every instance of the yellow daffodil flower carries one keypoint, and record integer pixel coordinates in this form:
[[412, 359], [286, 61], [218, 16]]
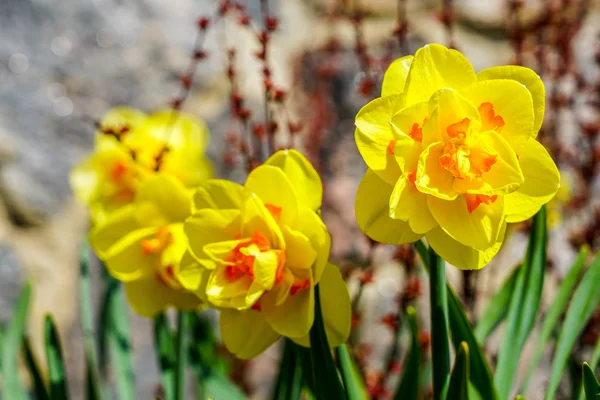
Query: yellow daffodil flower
[[130, 147], [452, 155], [142, 245], [256, 253]]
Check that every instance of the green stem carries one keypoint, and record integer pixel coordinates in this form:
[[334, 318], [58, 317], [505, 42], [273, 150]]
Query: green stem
[[183, 325], [440, 347]]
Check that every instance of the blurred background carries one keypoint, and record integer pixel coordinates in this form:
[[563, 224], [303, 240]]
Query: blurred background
[[63, 64]]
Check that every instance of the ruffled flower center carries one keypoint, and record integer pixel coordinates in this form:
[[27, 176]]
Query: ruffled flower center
[[461, 160], [244, 254]]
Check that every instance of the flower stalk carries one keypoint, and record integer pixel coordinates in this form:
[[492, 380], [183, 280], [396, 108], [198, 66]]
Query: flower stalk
[[440, 348]]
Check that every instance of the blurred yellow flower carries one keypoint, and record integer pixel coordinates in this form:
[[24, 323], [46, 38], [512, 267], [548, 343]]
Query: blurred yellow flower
[[130, 147], [142, 245], [256, 253], [452, 155]]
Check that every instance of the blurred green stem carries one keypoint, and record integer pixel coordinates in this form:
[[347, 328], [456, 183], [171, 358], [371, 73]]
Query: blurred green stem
[[440, 347], [183, 326]]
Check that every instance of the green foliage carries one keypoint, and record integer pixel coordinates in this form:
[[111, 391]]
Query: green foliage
[[440, 348], [458, 388], [87, 325], [497, 308], [353, 382], [12, 388], [117, 335], [591, 387], [39, 386], [325, 377], [462, 332], [56, 363], [289, 381], [410, 383], [556, 310], [585, 300], [165, 351], [523, 307]]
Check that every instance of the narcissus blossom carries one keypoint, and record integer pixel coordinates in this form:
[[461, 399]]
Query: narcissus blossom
[[131, 147], [452, 155], [142, 245], [256, 253]]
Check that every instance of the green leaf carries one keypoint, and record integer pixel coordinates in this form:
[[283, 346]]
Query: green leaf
[[481, 376], [87, 326], [1, 338], [440, 347], [325, 375], [591, 386], [458, 389], [39, 386], [554, 313], [351, 377], [520, 397], [116, 336], [496, 308], [409, 386], [593, 362], [209, 368], [462, 332], [181, 344], [163, 343], [56, 363], [585, 300], [12, 388], [289, 381], [524, 305]]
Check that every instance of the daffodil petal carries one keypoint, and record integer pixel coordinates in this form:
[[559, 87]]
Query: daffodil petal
[[435, 67], [372, 212], [117, 119], [110, 231], [218, 194], [311, 225], [408, 204], [162, 200], [148, 297], [126, 260], [246, 333], [394, 78], [542, 180], [299, 251], [477, 229], [178, 129], [511, 101], [374, 134], [275, 190], [430, 179], [221, 290], [189, 166], [257, 218], [208, 226], [84, 179], [265, 269], [527, 77], [294, 317], [305, 179], [458, 254], [192, 275], [336, 308]]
